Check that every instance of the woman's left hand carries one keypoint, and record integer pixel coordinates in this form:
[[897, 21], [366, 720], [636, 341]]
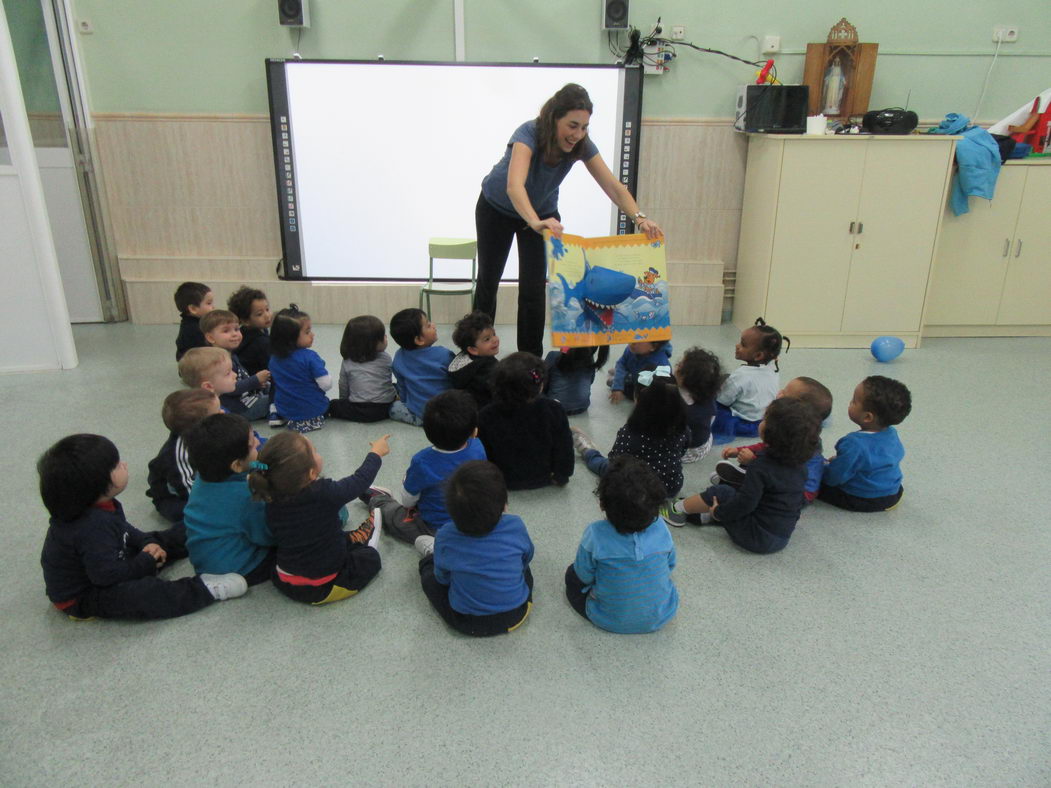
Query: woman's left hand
[[650, 227]]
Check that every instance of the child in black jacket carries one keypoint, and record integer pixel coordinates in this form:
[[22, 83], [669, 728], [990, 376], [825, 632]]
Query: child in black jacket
[[170, 472], [95, 562]]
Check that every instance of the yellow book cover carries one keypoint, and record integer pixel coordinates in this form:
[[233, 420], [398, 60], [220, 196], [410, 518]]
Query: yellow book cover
[[607, 291]]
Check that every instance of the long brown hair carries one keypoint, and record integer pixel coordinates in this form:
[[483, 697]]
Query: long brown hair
[[569, 98], [288, 461]]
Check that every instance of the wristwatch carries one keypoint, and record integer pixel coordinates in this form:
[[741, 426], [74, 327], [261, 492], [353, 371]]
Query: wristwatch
[[637, 216]]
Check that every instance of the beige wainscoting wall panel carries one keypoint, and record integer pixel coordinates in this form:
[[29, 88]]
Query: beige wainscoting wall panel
[[193, 198]]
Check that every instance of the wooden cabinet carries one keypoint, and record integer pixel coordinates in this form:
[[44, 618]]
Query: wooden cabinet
[[838, 235], [992, 275]]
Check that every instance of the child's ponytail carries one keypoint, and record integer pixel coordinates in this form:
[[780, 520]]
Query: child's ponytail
[[770, 340], [283, 469]]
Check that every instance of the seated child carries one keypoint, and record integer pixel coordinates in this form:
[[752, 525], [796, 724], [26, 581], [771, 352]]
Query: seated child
[[170, 473], [699, 376], [250, 397], [317, 561], [636, 357], [747, 391], [621, 579], [95, 562], [477, 573], [226, 530], [366, 390], [194, 301], [656, 431], [420, 367], [470, 368], [300, 377], [570, 373], [865, 474], [761, 516], [524, 433], [450, 423], [253, 311], [808, 390], [208, 368]]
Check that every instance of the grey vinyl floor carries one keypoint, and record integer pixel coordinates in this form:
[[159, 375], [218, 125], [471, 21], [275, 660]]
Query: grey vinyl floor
[[908, 648]]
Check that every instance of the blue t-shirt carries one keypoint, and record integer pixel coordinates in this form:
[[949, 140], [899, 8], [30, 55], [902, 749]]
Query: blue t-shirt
[[628, 577], [867, 464], [485, 574], [420, 374], [427, 473], [297, 395], [226, 530], [542, 181]]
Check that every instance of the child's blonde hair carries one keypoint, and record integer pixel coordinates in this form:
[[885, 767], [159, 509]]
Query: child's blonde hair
[[288, 459], [186, 408], [199, 363], [216, 318]]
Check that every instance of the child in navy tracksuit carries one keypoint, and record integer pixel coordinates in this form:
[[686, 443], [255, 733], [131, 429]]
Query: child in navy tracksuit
[[317, 561], [193, 300], [636, 357], [253, 310], [421, 368], [170, 472], [476, 572], [699, 376], [471, 367], [865, 474], [251, 395], [570, 373], [96, 564]]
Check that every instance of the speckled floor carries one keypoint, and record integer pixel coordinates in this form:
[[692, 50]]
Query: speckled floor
[[910, 648]]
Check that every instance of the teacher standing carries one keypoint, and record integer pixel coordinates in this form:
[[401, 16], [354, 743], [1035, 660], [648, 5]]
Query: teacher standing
[[520, 199]]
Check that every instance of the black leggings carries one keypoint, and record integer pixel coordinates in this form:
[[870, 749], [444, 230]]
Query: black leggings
[[854, 503], [495, 231]]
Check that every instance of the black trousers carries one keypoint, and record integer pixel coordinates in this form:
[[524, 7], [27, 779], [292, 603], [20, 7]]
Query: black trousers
[[362, 563], [478, 626], [575, 592], [147, 597], [495, 231], [844, 500], [363, 412]]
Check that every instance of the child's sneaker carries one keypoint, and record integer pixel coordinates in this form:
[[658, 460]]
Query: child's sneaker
[[672, 517], [366, 496], [730, 473], [715, 478], [363, 533], [424, 545], [275, 420], [228, 586], [377, 527], [581, 442]]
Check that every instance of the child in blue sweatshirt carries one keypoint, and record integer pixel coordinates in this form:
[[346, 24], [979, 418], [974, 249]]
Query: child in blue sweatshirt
[[865, 474], [475, 571], [226, 530], [421, 368], [636, 357], [96, 564]]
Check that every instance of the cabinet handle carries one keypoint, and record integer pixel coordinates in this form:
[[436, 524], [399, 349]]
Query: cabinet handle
[[1007, 247], [852, 224], [1018, 249], [861, 228]]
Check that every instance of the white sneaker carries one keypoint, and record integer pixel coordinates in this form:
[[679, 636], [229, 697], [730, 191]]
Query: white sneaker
[[228, 586], [715, 478], [581, 441], [424, 545], [377, 525]]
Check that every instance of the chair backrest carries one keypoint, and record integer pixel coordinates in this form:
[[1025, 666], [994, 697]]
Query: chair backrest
[[453, 248]]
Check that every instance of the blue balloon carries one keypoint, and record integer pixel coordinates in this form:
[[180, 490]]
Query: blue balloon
[[886, 348]]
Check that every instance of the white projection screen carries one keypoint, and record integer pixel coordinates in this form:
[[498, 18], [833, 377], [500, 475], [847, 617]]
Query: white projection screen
[[374, 158]]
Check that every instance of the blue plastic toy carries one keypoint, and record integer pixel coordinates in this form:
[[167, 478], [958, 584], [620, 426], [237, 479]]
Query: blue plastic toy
[[886, 348]]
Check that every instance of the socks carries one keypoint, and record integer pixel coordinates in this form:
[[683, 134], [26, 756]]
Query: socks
[[679, 506]]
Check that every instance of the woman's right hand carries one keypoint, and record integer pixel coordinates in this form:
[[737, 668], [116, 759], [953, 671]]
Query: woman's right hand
[[551, 223]]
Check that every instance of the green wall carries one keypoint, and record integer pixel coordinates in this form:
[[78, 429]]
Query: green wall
[[204, 56]]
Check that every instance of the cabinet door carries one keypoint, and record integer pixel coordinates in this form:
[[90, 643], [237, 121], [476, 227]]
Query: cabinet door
[[901, 202], [810, 259], [1027, 287], [973, 254]]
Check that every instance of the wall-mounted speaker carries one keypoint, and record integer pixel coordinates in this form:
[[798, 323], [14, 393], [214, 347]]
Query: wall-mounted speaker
[[293, 13], [614, 14]]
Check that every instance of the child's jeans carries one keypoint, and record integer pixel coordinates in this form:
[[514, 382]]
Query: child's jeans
[[478, 626], [727, 426]]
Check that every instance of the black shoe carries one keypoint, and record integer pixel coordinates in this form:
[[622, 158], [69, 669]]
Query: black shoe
[[366, 496], [730, 473]]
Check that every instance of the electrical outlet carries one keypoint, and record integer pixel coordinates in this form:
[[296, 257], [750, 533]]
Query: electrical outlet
[[771, 44], [85, 27], [1005, 34], [678, 32]]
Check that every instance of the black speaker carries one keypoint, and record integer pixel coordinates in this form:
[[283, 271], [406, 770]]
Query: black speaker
[[293, 13], [614, 14], [890, 121]]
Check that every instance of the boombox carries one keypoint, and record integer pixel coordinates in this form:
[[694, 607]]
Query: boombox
[[890, 121]]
